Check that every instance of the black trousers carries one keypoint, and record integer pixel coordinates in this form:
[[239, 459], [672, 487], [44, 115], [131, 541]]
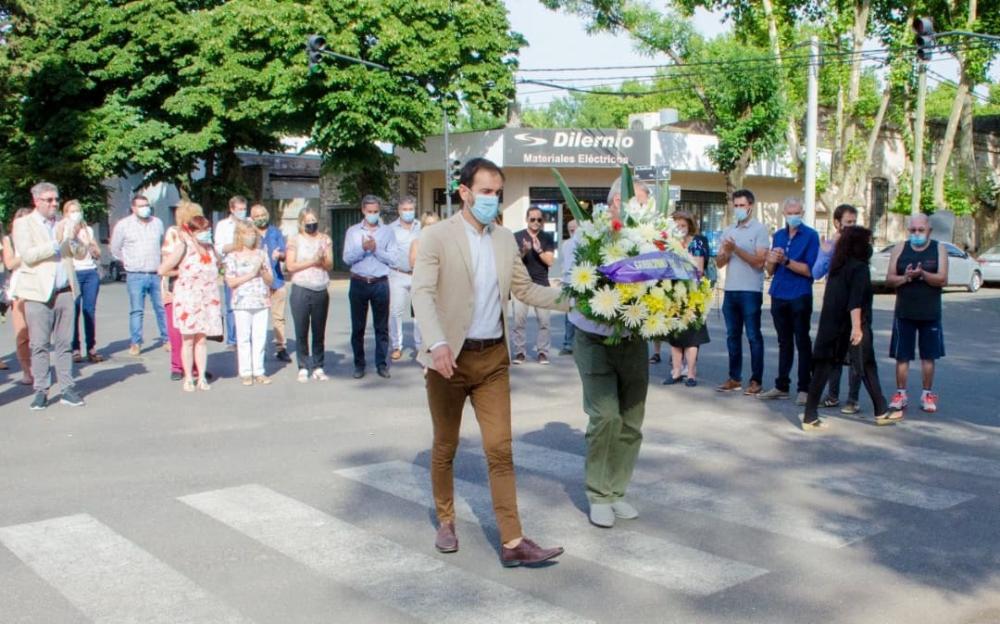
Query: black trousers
[[792, 321], [863, 363], [363, 295], [309, 311]]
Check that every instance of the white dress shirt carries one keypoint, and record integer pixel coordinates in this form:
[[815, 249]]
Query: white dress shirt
[[486, 323], [225, 232]]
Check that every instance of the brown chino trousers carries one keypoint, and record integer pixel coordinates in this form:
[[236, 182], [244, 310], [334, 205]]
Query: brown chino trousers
[[484, 377]]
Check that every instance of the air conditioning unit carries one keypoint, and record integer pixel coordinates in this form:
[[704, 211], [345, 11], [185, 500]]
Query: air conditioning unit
[[644, 121]]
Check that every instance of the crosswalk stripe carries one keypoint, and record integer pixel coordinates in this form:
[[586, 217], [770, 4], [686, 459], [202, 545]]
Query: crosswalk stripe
[[651, 559], [828, 529], [878, 486], [414, 583], [893, 490], [108, 578], [969, 464]]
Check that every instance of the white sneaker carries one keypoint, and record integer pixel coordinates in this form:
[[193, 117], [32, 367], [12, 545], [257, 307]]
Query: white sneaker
[[801, 398], [319, 375], [303, 375]]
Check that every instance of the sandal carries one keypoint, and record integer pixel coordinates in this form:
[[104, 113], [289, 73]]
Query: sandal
[[814, 425], [889, 418], [655, 359], [188, 385], [94, 357], [77, 358], [203, 385]]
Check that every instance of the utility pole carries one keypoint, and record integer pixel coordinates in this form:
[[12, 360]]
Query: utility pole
[[924, 41], [447, 161], [812, 123]]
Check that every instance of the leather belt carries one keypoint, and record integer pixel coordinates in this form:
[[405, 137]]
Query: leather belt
[[369, 280], [474, 344], [142, 272]]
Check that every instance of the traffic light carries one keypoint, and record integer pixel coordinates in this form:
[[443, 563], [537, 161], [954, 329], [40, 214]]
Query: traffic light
[[315, 45], [924, 40], [456, 174]]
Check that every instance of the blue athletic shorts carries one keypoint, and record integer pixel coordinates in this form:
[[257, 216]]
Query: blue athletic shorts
[[907, 334]]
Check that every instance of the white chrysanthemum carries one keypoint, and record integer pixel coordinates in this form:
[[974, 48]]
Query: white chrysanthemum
[[614, 252], [646, 248], [606, 302], [634, 314], [680, 290], [589, 229], [658, 291], [675, 325], [654, 326], [583, 277], [648, 232]]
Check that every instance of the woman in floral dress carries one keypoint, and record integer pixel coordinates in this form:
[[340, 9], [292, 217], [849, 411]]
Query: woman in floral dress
[[197, 305]]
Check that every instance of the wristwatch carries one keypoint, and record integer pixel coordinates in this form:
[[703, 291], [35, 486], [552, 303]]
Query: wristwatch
[[787, 260]]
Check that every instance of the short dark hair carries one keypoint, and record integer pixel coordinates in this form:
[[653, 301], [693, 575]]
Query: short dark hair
[[533, 209], [838, 212], [371, 199], [476, 165], [139, 198], [744, 193]]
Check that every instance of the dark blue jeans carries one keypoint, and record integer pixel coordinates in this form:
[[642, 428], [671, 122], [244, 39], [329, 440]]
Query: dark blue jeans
[[568, 334], [90, 286], [792, 320], [227, 294], [741, 309], [361, 296]]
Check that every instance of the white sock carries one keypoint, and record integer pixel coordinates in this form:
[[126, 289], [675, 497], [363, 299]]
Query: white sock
[[923, 395], [901, 391]]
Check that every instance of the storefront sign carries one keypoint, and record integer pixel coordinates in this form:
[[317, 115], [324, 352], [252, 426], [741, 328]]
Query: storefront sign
[[589, 147]]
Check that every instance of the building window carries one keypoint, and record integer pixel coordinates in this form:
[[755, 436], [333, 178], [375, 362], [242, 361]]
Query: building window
[[549, 200]]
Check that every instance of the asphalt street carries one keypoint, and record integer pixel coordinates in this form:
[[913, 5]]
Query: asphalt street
[[301, 503]]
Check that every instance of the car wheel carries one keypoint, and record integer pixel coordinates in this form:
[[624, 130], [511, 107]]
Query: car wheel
[[975, 282]]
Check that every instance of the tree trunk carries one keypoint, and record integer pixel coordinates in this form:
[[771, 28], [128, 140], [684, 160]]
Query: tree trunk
[[862, 9], [861, 173], [958, 104], [967, 145], [792, 129]]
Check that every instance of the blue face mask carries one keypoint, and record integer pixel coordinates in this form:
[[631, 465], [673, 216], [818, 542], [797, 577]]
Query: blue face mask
[[793, 221], [204, 237], [407, 216], [372, 219], [143, 212], [486, 208], [918, 240], [741, 213]]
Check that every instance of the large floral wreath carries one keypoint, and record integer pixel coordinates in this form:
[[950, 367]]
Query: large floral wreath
[[633, 273]]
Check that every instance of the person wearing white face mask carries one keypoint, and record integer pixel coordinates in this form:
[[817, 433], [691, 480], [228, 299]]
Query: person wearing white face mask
[[370, 250], [249, 275], [467, 268], [790, 261], [225, 233], [136, 242], [88, 278], [406, 230]]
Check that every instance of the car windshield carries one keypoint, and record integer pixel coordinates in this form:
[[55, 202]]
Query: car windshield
[[992, 251]]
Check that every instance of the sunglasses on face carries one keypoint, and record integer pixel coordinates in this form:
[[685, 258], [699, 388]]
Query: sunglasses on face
[[915, 230], [534, 220]]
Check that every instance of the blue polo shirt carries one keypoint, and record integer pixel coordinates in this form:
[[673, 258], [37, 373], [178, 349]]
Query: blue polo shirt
[[803, 247], [274, 240]]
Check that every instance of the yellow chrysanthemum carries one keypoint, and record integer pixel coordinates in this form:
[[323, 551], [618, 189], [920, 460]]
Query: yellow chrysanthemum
[[583, 277], [628, 291], [654, 303]]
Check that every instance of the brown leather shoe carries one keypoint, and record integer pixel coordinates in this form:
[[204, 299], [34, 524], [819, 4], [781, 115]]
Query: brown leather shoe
[[730, 385], [753, 389], [527, 553], [446, 540]]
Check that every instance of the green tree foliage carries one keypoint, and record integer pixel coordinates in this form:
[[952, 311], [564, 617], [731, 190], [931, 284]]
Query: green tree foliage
[[95, 88], [738, 86]]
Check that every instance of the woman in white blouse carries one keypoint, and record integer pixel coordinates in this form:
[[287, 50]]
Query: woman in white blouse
[[88, 277]]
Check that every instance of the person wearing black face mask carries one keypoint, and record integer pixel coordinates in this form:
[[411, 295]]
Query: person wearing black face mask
[[309, 260], [845, 324]]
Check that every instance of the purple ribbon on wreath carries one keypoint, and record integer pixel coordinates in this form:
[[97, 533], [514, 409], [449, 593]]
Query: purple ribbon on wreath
[[656, 265]]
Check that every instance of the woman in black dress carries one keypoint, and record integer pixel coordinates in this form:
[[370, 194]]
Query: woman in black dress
[[845, 325], [684, 346]]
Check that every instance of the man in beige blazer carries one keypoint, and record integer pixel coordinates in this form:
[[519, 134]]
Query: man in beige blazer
[[47, 283], [466, 270]]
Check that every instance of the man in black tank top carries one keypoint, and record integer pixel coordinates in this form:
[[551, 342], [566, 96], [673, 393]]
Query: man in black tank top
[[918, 270]]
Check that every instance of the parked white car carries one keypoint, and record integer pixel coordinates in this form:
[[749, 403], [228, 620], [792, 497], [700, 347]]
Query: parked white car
[[989, 264], [963, 269]]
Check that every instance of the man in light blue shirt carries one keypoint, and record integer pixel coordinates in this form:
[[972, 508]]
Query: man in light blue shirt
[[370, 250], [406, 229]]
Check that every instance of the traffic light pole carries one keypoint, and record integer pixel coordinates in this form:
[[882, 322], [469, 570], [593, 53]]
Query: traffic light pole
[[918, 139], [447, 162]]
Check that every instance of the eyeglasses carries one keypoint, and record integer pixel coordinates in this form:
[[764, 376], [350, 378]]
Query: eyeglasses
[[49, 200], [534, 220], [915, 230]]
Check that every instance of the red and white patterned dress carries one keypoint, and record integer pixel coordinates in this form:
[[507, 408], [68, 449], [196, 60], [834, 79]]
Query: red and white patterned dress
[[197, 304]]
